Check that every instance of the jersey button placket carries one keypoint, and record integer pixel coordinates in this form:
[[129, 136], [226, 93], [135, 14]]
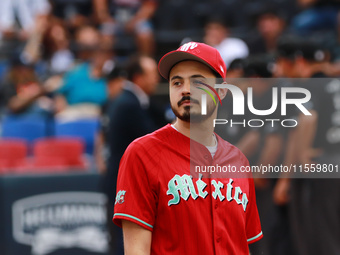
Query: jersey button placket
[[216, 229], [215, 206]]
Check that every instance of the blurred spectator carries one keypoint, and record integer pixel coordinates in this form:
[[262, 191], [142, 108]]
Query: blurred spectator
[[258, 68], [175, 23], [49, 42], [73, 13], [23, 92], [115, 82], [18, 17], [285, 57], [285, 68], [127, 17], [232, 133], [285, 61], [87, 38], [264, 146], [312, 210], [309, 60], [217, 36], [270, 26], [236, 68], [317, 145], [303, 60], [57, 51], [129, 119], [316, 15], [84, 92]]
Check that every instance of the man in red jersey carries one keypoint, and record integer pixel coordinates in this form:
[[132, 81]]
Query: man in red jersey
[[162, 207]]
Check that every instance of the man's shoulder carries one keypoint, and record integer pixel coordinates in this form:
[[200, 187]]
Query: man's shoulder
[[125, 99], [127, 95], [225, 144], [231, 149], [152, 139]]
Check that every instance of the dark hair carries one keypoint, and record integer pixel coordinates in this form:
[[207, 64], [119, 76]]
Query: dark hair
[[264, 10], [237, 63], [217, 75], [133, 67], [259, 66], [296, 46], [312, 51], [117, 72], [221, 20], [287, 46]]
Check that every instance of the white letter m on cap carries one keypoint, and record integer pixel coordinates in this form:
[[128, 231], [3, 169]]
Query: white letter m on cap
[[190, 45]]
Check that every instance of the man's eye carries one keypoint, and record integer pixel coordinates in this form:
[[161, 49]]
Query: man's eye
[[197, 82], [177, 83]]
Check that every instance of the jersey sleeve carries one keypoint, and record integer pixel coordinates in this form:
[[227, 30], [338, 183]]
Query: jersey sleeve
[[253, 225], [135, 197]]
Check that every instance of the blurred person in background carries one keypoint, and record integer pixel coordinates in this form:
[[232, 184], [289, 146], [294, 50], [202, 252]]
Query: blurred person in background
[[57, 52], [236, 68], [23, 92], [83, 91], [232, 133], [216, 34], [87, 38], [263, 147], [310, 59], [130, 118], [127, 17], [18, 17], [287, 49], [270, 26], [49, 47], [316, 15], [319, 144], [73, 14], [115, 83], [314, 202], [259, 69], [285, 57], [49, 44]]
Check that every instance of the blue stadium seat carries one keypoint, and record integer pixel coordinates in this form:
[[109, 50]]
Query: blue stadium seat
[[25, 128], [85, 129]]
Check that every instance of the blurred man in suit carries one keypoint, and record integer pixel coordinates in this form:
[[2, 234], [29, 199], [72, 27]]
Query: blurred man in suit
[[130, 118]]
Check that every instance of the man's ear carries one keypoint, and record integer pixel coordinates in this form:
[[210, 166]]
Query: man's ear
[[222, 92]]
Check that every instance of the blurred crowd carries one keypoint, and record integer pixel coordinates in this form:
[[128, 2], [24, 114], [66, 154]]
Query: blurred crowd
[[56, 45], [63, 61]]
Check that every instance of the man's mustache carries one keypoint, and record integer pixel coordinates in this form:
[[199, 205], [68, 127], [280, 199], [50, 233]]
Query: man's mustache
[[185, 98]]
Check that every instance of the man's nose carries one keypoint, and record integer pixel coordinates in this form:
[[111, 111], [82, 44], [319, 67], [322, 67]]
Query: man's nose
[[186, 88]]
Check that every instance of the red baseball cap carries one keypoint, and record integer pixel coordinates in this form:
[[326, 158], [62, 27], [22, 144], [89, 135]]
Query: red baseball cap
[[193, 51]]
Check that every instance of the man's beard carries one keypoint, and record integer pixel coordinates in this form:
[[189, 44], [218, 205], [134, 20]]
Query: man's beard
[[192, 117]]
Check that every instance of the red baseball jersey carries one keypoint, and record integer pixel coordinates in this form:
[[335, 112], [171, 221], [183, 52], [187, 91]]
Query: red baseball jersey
[[186, 215]]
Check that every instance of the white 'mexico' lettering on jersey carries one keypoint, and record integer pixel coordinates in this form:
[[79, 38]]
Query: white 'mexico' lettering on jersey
[[184, 187]]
